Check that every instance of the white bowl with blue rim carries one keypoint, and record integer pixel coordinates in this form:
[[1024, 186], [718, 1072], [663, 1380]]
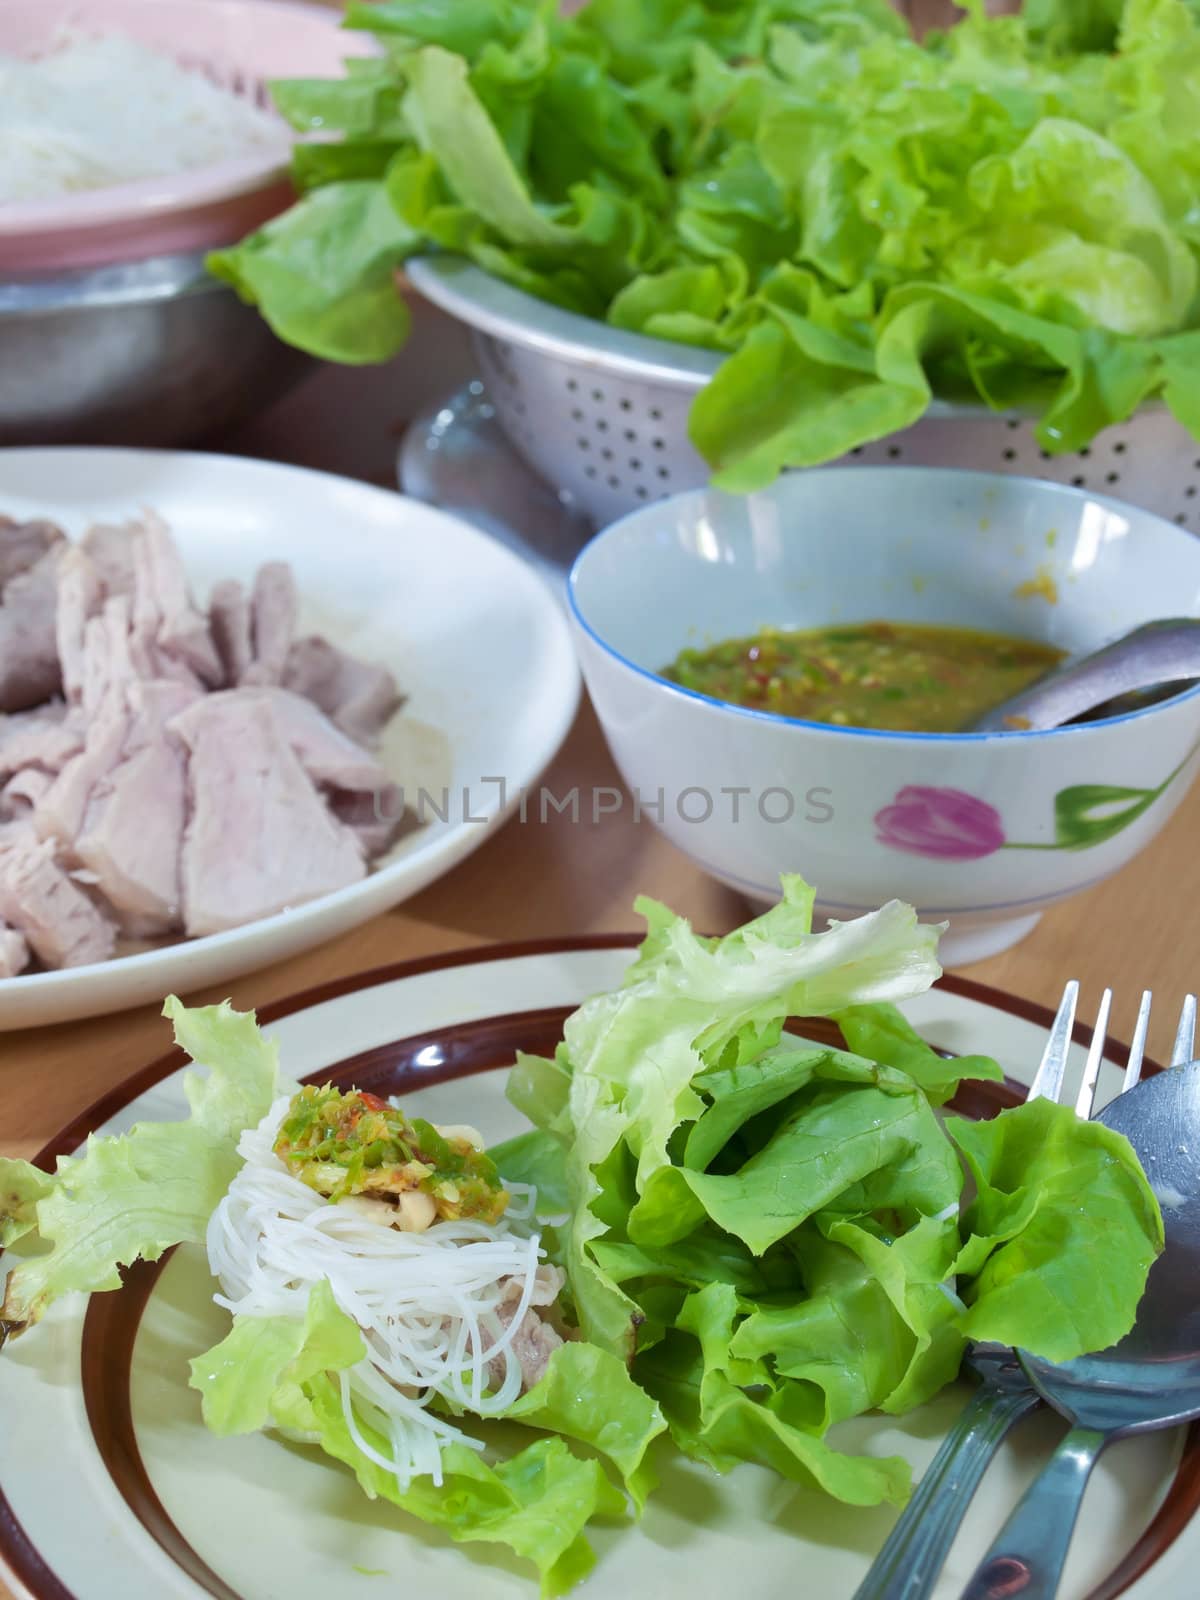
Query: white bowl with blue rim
[[984, 830]]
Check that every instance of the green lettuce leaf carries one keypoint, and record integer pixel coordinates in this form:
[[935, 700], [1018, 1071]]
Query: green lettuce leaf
[[882, 1033], [1061, 1234], [1104, 248], [875, 1329], [537, 1502], [541, 1090], [1071, 25], [365, 104], [878, 1144], [588, 1395], [770, 1232], [745, 1090], [1007, 213], [698, 1381], [464, 26], [277, 1372], [693, 1001], [914, 1272], [130, 1198], [239, 1378], [453, 126], [863, 1137], [324, 273], [539, 1158], [691, 1004], [22, 1185]]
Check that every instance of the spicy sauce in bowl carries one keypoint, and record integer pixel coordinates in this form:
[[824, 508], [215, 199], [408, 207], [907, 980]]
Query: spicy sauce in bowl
[[978, 828], [899, 677]]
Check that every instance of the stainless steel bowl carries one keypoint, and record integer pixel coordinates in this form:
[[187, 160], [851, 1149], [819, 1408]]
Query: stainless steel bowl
[[152, 353]]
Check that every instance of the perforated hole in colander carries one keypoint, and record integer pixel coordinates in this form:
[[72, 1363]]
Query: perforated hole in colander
[[508, 393], [619, 439]]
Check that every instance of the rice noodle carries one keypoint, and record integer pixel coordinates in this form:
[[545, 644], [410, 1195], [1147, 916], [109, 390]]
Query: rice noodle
[[96, 111], [426, 1302]]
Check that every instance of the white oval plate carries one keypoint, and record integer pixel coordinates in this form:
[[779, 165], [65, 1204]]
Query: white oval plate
[[172, 1512], [476, 641]]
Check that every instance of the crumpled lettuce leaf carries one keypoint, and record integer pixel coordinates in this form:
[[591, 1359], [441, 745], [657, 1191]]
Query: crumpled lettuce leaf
[[691, 1004], [537, 1502], [882, 1033], [324, 273], [875, 1328], [1007, 213], [22, 1185], [771, 1233], [539, 1158], [277, 1372], [700, 1384], [239, 1378], [827, 1145], [587, 1394], [1061, 1233], [133, 1197]]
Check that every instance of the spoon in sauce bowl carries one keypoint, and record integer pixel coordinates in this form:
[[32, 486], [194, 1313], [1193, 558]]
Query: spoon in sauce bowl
[[1154, 662]]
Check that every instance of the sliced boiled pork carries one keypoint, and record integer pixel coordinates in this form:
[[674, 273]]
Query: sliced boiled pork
[[360, 696], [131, 836], [14, 952], [45, 737], [156, 776], [23, 544], [260, 838], [59, 921], [229, 621], [274, 606], [29, 667]]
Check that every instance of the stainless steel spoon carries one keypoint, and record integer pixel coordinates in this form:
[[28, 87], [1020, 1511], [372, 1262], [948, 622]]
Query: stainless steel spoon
[[1151, 1379], [1154, 661]]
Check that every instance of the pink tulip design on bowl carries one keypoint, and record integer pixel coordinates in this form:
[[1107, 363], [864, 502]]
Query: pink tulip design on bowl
[[945, 824]]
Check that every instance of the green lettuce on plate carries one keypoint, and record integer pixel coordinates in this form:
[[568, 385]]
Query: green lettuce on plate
[[278, 1372], [132, 1197], [762, 1236], [128, 1199], [772, 1233], [1007, 214]]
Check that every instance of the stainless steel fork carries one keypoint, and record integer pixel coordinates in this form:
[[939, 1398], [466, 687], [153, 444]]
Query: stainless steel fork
[[916, 1549]]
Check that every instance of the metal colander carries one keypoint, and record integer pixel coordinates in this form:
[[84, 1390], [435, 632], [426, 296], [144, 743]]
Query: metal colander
[[601, 414]]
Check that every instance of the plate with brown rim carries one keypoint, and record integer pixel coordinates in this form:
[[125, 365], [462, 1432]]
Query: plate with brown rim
[[111, 1488]]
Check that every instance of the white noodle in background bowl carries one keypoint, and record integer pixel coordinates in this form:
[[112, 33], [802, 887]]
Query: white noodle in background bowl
[[236, 45], [111, 330], [476, 640], [985, 830]]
